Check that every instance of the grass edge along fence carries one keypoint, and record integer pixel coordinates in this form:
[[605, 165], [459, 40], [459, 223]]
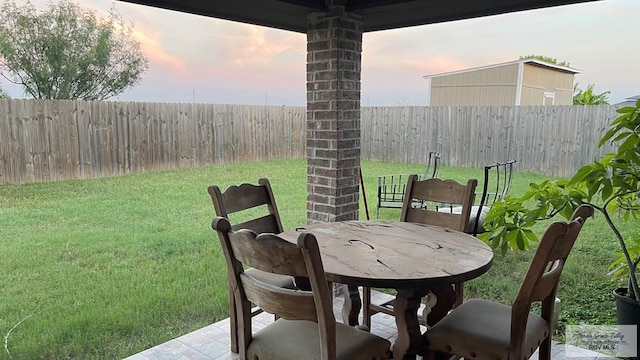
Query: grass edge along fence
[[49, 140]]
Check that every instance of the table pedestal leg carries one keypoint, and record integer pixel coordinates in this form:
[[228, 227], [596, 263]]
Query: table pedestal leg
[[405, 309], [440, 301], [352, 304], [445, 296]]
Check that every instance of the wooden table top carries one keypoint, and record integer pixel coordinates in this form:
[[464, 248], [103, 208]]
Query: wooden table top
[[396, 255]]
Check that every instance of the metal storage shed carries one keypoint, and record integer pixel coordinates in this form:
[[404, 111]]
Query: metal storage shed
[[521, 82]]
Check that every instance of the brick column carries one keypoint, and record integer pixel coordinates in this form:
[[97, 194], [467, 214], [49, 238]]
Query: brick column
[[334, 48]]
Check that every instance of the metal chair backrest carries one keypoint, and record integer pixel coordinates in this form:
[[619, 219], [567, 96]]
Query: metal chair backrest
[[391, 188], [495, 187], [433, 161]]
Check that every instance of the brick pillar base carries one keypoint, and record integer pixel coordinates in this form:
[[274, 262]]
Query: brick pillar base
[[334, 49]]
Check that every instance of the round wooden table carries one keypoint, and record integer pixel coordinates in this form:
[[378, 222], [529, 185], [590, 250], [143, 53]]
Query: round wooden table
[[414, 259]]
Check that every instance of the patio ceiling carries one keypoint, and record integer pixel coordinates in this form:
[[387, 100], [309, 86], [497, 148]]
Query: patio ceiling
[[376, 14]]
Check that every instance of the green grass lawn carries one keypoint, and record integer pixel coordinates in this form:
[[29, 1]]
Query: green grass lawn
[[105, 268]]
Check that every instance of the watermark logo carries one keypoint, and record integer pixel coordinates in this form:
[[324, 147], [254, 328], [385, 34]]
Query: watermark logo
[[610, 340]]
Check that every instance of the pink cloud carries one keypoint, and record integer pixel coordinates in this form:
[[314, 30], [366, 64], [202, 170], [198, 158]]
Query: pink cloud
[[152, 48], [249, 55]]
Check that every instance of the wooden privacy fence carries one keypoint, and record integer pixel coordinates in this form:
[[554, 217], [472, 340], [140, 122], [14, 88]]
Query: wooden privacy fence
[[45, 140], [553, 140]]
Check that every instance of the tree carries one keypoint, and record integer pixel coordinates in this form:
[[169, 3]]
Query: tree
[[66, 52], [588, 97], [611, 185], [546, 59], [4, 95]]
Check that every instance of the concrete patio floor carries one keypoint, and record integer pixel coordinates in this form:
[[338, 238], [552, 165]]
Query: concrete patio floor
[[212, 342]]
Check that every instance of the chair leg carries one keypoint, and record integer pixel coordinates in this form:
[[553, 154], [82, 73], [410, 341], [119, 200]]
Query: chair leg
[[233, 322], [366, 306], [548, 306], [544, 352], [459, 288], [437, 355], [352, 304], [243, 331]]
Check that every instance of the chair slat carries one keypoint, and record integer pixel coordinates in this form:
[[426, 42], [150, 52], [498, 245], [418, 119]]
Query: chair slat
[[440, 191], [444, 219], [287, 303], [432, 193], [265, 224], [244, 197], [267, 252]]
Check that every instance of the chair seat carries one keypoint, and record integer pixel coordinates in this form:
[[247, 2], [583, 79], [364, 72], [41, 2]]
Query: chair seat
[[480, 329], [278, 280], [299, 339], [473, 217]]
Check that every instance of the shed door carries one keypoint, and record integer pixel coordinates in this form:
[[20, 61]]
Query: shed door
[[549, 98]]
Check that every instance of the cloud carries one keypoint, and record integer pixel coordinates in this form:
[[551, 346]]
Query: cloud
[[249, 55], [152, 48]]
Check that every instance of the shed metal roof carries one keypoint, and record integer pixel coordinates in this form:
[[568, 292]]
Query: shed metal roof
[[376, 14], [535, 62], [630, 101]]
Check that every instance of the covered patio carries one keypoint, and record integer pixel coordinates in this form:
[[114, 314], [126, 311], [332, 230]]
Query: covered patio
[[334, 31], [212, 342]]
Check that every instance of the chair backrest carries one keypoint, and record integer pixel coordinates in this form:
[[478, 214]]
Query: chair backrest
[[495, 187], [270, 253], [241, 198], [437, 191], [541, 280]]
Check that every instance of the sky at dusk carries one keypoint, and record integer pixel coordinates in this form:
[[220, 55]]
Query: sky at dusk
[[198, 59]]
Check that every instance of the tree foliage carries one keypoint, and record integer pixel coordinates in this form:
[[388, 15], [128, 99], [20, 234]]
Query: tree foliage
[[4, 95], [546, 59], [589, 97], [611, 185], [66, 52]]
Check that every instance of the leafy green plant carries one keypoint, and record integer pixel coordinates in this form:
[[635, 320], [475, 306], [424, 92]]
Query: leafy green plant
[[611, 185], [547, 59], [589, 97]]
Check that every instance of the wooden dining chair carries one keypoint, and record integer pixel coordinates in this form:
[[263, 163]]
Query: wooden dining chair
[[481, 329], [255, 208], [307, 328], [422, 201]]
